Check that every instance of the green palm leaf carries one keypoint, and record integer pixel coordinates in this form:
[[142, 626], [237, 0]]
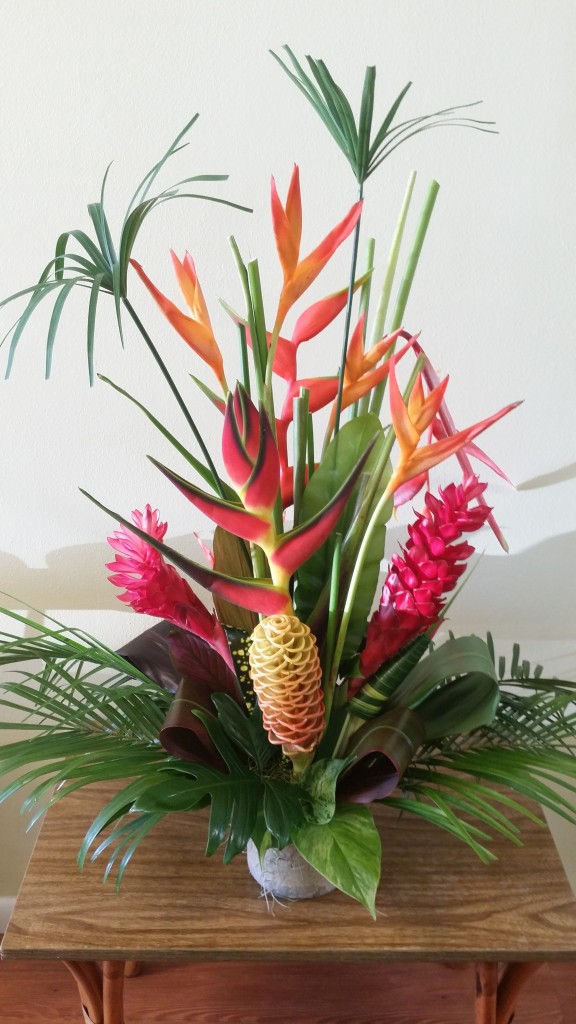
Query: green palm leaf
[[97, 263], [364, 151]]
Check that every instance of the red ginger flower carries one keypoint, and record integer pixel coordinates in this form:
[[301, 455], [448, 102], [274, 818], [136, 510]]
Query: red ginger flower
[[153, 587], [430, 566]]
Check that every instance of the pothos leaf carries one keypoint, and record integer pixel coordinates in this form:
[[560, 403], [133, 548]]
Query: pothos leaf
[[347, 851]]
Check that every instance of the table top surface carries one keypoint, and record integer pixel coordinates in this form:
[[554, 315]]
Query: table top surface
[[436, 900]]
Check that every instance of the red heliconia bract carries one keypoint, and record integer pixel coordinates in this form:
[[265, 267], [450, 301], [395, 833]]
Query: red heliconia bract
[[428, 568]]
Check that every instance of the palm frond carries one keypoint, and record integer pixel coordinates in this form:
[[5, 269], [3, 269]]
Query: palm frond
[[363, 149], [96, 262]]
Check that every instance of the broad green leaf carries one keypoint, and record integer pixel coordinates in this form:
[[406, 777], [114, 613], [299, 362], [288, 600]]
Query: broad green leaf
[[347, 851], [381, 751], [456, 657], [460, 705], [283, 811], [341, 455]]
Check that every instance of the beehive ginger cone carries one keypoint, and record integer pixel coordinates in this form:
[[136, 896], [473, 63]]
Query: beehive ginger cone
[[286, 675]]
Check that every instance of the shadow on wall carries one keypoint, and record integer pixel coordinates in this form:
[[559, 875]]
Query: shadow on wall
[[74, 577], [531, 594]]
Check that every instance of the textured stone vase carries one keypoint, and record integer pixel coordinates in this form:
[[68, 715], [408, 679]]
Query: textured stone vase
[[285, 874]]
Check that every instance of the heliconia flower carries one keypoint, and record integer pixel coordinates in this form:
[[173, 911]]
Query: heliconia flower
[[250, 453], [153, 587], [286, 673], [444, 426], [196, 329], [309, 324], [320, 314], [322, 391], [428, 568], [287, 224], [362, 372], [410, 421]]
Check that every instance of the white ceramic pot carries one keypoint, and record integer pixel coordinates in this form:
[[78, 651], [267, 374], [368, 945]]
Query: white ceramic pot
[[285, 874]]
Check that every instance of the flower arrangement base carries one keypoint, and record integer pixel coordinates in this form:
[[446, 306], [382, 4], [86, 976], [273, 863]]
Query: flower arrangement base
[[286, 875]]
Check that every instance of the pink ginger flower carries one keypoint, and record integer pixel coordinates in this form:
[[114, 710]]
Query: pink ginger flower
[[428, 568], [153, 587]]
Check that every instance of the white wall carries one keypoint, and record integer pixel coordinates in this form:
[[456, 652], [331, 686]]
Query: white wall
[[494, 297]]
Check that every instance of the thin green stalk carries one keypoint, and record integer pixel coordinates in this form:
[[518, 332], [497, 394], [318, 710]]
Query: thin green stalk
[[366, 539], [259, 366], [300, 447], [407, 280], [382, 308], [348, 317], [329, 677], [257, 304], [310, 445], [258, 559], [244, 357], [168, 378], [363, 404], [349, 727]]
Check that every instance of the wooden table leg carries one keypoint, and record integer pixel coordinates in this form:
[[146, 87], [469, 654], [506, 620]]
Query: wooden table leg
[[514, 977], [88, 978], [486, 992], [101, 990], [113, 991]]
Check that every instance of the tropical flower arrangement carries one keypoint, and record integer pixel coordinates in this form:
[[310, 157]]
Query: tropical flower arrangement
[[309, 692]]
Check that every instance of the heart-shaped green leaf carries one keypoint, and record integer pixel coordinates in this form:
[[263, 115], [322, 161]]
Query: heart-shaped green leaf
[[347, 851]]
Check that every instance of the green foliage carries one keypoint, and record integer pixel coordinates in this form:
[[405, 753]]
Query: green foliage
[[320, 783], [96, 263], [347, 851], [313, 590], [364, 149], [527, 749]]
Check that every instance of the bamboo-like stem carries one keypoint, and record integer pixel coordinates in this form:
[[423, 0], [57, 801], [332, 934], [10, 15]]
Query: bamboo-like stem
[[329, 678], [259, 365], [300, 449], [310, 445], [244, 358], [408, 278], [366, 539], [168, 378], [391, 266]]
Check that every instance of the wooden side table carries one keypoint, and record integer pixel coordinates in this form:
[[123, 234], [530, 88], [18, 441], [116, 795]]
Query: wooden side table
[[436, 903]]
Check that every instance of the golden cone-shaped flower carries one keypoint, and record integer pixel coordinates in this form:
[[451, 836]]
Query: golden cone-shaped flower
[[286, 673]]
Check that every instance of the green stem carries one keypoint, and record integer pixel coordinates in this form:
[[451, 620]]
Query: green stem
[[300, 446], [382, 308], [366, 539], [348, 318], [166, 374], [259, 366], [329, 680], [363, 404], [408, 279], [244, 358]]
